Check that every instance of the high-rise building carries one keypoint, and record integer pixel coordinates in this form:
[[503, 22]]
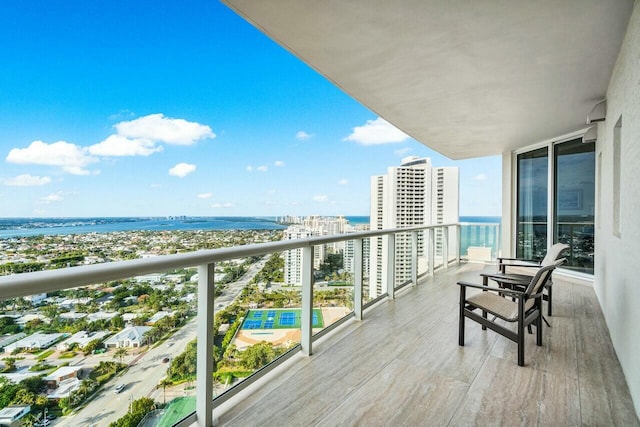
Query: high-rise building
[[293, 258], [414, 193], [312, 226]]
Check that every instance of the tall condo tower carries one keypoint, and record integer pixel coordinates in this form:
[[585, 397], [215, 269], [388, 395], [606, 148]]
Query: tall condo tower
[[414, 193]]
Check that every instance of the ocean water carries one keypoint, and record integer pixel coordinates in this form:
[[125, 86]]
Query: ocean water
[[22, 227], [474, 234]]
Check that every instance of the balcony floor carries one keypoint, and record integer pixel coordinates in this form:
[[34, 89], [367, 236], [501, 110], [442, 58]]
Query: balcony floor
[[402, 366]]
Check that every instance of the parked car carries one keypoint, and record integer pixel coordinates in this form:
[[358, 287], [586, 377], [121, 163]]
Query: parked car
[[165, 360], [117, 389]]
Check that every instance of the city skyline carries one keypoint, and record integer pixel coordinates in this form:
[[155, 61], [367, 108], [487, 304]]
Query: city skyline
[[132, 111]]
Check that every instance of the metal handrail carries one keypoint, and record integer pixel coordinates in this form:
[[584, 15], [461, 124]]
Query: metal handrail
[[24, 284]]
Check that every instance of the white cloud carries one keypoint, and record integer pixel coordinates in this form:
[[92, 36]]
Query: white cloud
[[321, 198], [222, 205], [302, 135], [205, 195], [71, 158], [26, 180], [402, 151], [278, 163], [375, 132], [271, 192], [182, 169], [122, 114], [249, 168], [262, 168], [156, 127], [119, 145], [343, 181], [480, 177], [51, 198]]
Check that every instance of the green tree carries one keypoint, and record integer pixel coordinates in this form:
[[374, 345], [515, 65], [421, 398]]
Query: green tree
[[120, 353], [92, 346], [183, 367], [139, 408], [257, 355], [116, 323], [10, 364]]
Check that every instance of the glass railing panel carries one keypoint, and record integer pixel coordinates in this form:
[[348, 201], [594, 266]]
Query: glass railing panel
[[480, 242], [580, 238], [106, 350], [258, 324]]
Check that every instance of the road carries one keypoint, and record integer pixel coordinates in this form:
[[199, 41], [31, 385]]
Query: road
[[147, 369]]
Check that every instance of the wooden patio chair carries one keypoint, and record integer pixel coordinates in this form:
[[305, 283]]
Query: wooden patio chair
[[524, 309], [519, 281]]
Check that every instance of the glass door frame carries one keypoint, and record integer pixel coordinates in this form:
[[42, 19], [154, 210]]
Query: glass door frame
[[551, 185]]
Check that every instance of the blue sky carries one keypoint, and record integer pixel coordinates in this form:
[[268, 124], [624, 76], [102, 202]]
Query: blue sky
[[122, 109]]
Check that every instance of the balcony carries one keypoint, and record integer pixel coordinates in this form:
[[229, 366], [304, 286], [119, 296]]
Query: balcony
[[401, 365], [395, 359]]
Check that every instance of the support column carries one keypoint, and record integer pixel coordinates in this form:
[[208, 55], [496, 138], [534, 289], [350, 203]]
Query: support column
[[357, 278], [204, 364], [431, 245], [414, 258], [307, 300], [458, 236], [445, 247], [391, 264]]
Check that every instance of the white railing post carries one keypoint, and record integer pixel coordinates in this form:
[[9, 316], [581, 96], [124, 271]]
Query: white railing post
[[414, 258], [307, 300], [204, 351], [357, 278], [458, 237], [391, 264], [497, 240], [431, 244], [445, 247]]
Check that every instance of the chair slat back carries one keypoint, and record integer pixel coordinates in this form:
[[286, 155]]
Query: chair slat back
[[539, 279], [553, 253]]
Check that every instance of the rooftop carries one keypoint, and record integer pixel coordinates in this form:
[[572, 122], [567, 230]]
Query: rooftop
[[402, 366]]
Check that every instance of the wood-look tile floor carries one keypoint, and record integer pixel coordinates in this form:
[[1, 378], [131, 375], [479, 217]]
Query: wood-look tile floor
[[402, 366]]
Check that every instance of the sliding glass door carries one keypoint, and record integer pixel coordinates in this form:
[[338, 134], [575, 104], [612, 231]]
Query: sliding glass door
[[574, 202], [531, 218], [571, 189]]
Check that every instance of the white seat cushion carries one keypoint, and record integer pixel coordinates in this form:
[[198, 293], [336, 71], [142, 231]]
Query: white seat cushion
[[502, 307]]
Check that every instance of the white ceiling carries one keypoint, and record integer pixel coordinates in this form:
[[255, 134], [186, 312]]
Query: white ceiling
[[467, 78]]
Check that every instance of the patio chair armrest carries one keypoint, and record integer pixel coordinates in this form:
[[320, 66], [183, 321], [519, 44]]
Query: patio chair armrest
[[488, 288], [501, 258], [504, 278]]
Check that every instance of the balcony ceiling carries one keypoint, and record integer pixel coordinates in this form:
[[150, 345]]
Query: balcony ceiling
[[465, 78]]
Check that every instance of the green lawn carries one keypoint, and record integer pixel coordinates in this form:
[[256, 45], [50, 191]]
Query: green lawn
[[177, 409]]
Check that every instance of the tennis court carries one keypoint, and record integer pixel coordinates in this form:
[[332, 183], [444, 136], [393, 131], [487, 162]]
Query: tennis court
[[286, 318]]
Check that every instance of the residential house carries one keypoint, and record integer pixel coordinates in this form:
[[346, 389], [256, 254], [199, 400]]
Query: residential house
[[133, 336], [11, 415], [37, 341]]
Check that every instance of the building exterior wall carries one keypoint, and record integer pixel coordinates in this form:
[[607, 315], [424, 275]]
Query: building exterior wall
[[616, 256]]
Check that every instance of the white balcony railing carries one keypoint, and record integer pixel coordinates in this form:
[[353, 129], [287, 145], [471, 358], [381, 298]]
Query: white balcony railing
[[436, 241]]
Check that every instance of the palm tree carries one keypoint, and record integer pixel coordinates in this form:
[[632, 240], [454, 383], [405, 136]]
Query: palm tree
[[164, 383], [120, 353]]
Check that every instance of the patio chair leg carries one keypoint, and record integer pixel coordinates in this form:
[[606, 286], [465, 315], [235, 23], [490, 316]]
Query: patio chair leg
[[461, 321], [550, 289], [539, 329], [546, 321], [520, 344], [484, 314]]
